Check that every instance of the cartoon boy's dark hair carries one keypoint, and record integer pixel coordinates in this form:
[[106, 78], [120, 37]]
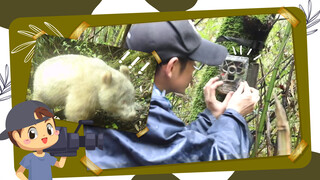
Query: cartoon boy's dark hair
[[11, 137], [40, 113], [43, 112]]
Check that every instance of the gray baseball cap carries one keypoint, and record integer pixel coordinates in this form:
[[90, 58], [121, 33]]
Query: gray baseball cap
[[22, 115], [175, 39]]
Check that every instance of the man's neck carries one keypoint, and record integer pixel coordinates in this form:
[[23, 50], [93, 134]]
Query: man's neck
[[159, 86], [161, 82]]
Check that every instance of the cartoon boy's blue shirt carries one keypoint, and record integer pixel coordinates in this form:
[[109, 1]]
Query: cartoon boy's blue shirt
[[39, 167], [170, 141]]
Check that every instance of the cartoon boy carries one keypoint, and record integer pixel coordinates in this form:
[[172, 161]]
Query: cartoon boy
[[30, 126]]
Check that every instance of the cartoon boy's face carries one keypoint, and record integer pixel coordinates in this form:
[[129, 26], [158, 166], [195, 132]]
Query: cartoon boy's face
[[38, 136]]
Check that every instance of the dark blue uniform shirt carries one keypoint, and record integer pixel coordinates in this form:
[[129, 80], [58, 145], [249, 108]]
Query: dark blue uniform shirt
[[170, 141]]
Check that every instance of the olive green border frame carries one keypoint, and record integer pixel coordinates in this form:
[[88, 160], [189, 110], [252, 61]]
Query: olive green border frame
[[67, 24]]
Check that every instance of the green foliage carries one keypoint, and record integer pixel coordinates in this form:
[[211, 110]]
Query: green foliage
[[113, 126], [108, 35], [284, 88], [270, 90], [198, 103], [232, 26], [263, 18]]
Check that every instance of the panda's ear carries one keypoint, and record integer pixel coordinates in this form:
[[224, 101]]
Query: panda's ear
[[107, 78], [125, 70]]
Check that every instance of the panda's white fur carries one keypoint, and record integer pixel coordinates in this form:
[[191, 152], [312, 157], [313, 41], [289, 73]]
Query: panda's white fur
[[83, 85]]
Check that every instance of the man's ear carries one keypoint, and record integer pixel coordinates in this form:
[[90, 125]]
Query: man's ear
[[171, 66]]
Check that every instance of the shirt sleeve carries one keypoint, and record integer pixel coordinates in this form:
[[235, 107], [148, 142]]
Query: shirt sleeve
[[26, 161], [203, 122], [231, 135]]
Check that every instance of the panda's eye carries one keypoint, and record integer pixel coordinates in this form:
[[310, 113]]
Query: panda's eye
[[32, 133], [49, 129]]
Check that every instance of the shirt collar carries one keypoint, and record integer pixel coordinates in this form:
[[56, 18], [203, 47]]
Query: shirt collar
[[158, 92]]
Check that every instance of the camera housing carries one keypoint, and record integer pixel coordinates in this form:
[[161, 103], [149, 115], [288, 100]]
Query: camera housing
[[69, 143], [233, 70]]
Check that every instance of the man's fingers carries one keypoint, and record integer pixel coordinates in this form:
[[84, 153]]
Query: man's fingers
[[215, 79], [240, 89], [254, 91], [211, 81], [227, 98], [212, 89], [255, 94], [208, 83], [246, 88], [215, 85], [207, 89]]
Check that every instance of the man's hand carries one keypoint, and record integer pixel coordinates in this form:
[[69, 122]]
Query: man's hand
[[216, 107], [244, 99]]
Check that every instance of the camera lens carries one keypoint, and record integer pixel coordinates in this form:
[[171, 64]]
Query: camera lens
[[232, 69]]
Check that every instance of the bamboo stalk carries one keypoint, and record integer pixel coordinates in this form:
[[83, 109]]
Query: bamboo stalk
[[284, 139], [96, 33], [268, 138], [122, 30], [270, 89]]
